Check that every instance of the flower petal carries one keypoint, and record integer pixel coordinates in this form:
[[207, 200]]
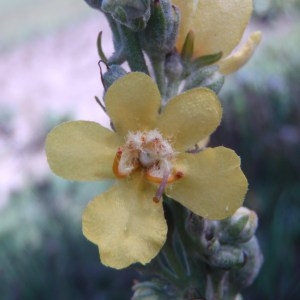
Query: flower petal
[[82, 150], [132, 102], [126, 224], [218, 25], [213, 185], [235, 61], [190, 117]]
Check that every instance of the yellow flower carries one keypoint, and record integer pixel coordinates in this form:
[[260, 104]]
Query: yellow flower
[[218, 26], [147, 156]]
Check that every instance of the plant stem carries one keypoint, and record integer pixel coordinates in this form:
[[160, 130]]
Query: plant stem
[[133, 51], [215, 285], [159, 72], [172, 89]]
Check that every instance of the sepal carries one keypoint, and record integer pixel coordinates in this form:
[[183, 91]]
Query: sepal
[[240, 227], [188, 47], [113, 73], [208, 77], [204, 61], [196, 78]]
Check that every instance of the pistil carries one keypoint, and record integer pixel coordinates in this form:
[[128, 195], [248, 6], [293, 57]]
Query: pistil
[[166, 179]]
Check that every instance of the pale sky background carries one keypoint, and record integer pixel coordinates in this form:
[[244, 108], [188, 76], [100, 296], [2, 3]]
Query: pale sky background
[[48, 70]]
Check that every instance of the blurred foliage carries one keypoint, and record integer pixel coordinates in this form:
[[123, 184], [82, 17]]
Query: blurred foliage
[[270, 9], [22, 19], [43, 254], [262, 123]]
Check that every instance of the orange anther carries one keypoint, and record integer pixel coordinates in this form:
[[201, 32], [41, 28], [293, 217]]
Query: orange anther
[[178, 175], [155, 200]]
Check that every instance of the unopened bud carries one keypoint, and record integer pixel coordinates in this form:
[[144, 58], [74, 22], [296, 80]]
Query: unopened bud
[[134, 14], [158, 39], [113, 73], [242, 277], [227, 257], [240, 227], [173, 66]]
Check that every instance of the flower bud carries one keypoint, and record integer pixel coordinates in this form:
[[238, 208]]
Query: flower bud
[[113, 73], [173, 66], [151, 290], [134, 14], [240, 227], [227, 257], [159, 37], [242, 277]]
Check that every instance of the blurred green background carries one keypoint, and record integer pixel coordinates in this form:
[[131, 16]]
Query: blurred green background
[[43, 254]]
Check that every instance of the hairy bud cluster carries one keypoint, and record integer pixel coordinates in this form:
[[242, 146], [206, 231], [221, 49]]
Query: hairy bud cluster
[[230, 245]]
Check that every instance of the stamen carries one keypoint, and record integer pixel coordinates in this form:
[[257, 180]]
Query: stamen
[[116, 163], [161, 187]]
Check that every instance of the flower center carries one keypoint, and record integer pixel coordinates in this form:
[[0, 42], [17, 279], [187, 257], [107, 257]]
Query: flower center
[[149, 152]]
